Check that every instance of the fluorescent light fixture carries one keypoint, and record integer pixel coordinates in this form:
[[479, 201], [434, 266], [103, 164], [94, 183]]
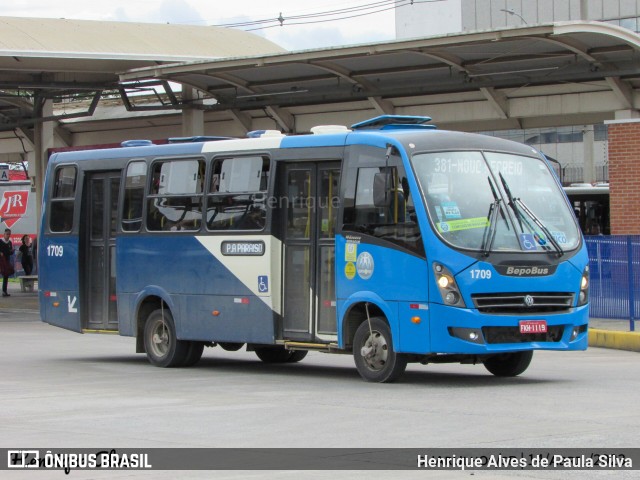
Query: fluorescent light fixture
[[258, 95], [488, 74]]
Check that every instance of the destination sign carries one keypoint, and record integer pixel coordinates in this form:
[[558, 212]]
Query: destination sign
[[243, 248]]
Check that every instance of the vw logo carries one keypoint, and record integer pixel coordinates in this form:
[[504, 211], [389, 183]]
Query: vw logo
[[528, 300]]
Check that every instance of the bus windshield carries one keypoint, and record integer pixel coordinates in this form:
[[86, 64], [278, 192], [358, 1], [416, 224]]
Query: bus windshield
[[488, 201]]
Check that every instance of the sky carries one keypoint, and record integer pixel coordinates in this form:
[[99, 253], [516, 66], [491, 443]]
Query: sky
[[367, 28]]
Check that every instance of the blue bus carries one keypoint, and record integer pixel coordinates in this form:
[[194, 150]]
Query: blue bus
[[392, 241]]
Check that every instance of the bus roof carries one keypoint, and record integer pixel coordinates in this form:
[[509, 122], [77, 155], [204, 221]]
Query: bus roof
[[416, 139]]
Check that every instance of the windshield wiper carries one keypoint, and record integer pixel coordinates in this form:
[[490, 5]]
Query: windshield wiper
[[490, 230], [516, 205], [542, 226], [512, 202], [489, 234]]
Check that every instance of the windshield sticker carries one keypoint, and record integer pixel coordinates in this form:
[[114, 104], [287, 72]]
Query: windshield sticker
[[560, 237], [439, 213], [451, 210], [527, 241], [350, 270], [540, 239], [350, 252], [463, 224]]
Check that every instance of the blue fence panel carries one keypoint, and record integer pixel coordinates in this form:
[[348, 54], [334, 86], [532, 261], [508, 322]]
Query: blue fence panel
[[614, 263]]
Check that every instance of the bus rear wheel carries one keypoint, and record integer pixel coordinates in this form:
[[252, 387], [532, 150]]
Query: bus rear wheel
[[373, 352], [509, 364], [160, 341]]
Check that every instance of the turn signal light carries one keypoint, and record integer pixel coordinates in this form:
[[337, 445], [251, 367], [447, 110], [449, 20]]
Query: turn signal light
[[583, 296]]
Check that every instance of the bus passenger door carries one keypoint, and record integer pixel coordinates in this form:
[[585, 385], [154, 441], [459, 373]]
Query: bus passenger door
[[309, 208], [98, 265]]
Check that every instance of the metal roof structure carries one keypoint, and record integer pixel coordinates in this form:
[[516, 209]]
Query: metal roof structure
[[58, 58], [567, 73]]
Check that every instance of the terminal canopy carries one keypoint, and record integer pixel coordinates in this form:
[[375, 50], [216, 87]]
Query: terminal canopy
[[58, 58], [567, 73]]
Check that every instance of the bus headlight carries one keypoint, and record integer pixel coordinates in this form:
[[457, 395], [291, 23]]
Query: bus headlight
[[447, 285], [444, 281], [583, 295]]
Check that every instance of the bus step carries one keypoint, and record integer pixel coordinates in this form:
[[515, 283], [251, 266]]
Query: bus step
[[311, 346], [91, 330]]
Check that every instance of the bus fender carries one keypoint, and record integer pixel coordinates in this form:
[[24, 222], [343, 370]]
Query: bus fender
[[377, 307], [142, 310]]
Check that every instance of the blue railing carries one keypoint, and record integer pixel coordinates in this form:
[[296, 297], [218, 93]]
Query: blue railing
[[614, 264]]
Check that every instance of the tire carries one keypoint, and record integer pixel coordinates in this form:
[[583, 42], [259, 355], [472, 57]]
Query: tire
[[194, 354], [160, 342], [274, 354], [509, 364], [375, 358], [297, 355], [231, 347]]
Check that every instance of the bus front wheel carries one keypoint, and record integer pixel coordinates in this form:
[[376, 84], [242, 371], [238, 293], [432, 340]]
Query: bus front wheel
[[373, 352], [160, 341], [509, 364], [194, 354]]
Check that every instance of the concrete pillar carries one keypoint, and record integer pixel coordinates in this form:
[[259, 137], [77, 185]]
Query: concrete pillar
[[43, 137], [192, 117], [624, 179], [584, 10], [589, 168]]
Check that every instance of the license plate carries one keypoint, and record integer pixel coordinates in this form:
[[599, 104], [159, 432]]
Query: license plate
[[533, 326]]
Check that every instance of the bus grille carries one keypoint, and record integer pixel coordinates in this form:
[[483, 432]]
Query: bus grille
[[493, 335], [523, 303]]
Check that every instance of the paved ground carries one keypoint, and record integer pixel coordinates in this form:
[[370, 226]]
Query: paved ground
[[19, 300], [62, 389]]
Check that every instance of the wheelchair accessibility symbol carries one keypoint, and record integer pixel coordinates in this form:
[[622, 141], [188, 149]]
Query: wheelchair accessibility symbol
[[527, 241], [263, 283]]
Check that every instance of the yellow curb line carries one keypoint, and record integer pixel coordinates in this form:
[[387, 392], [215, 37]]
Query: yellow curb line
[[614, 339]]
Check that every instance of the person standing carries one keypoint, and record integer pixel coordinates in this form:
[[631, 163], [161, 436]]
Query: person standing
[[26, 249], [6, 250]]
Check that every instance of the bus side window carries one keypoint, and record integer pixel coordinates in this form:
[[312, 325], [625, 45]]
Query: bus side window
[[63, 199], [391, 217], [134, 184], [237, 194], [174, 202]]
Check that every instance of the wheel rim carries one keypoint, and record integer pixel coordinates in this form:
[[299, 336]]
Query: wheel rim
[[160, 338], [375, 351]]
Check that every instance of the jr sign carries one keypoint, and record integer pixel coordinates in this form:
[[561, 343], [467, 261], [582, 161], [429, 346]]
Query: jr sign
[[14, 206]]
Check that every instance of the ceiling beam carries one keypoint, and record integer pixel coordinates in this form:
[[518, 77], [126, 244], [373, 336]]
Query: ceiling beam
[[63, 134], [622, 91], [284, 119], [242, 118], [382, 106], [498, 101]]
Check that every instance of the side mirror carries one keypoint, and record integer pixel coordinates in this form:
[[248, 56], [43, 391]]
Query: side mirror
[[381, 193]]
